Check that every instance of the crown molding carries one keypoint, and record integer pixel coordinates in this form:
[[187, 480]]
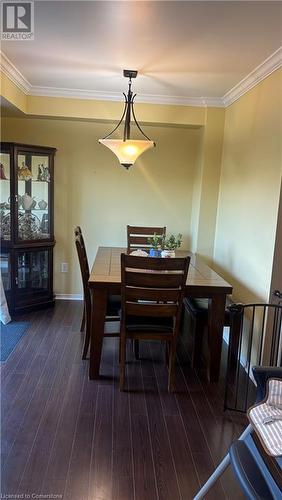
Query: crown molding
[[74, 93], [117, 96], [271, 64], [180, 100], [8, 68]]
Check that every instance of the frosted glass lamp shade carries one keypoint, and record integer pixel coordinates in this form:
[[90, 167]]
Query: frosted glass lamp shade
[[127, 151]]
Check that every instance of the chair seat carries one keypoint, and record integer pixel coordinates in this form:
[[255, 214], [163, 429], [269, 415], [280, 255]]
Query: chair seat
[[113, 305], [149, 323], [198, 308]]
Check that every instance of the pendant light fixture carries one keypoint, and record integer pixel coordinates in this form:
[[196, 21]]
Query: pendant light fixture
[[127, 150]]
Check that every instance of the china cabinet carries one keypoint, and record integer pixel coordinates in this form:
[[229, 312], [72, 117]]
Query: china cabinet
[[27, 225]]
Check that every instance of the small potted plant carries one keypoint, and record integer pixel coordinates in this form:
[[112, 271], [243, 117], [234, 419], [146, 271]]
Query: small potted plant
[[156, 244], [170, 244]]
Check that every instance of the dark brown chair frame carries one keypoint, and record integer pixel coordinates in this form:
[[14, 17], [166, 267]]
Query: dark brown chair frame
[[77, 232], [84, 269], [152, 288], [137, 236]]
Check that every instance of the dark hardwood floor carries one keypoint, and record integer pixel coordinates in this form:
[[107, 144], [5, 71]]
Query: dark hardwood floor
[[64, 436]]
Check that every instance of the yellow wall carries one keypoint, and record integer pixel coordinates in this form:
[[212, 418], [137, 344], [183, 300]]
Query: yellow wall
[[91, 109], [92, 190], [206, 184], [225, 203], [249, 190], [12, 93]]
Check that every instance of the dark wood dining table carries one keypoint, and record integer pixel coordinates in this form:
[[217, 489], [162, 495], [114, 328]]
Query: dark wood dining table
[[202, 282]]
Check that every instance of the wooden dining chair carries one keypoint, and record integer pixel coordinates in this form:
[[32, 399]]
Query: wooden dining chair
[[77, 231], [137, 237], [113, 305], [152, 291]]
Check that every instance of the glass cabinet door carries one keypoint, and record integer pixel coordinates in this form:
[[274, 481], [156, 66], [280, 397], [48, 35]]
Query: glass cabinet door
[[33, 189], [33, 275], [5, 264], [5, 196]]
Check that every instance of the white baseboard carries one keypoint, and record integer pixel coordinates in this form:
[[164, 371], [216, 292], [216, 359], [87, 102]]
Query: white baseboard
[[68, 296]]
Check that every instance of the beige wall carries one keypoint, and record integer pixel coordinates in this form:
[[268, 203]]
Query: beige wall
[[225, 204], [12, 93], [206, 184], [92, 190], [249, 190]]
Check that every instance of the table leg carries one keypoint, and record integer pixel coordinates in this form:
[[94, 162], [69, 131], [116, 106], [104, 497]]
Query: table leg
[[98, 314], [215, 334]]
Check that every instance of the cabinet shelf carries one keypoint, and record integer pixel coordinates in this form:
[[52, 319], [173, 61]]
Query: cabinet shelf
[[45, 210], [33, 180]]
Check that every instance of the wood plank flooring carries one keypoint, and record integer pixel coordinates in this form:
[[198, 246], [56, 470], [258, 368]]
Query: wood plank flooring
[[75, 439]]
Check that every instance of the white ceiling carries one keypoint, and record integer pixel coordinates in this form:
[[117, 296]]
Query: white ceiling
[[180, 48]]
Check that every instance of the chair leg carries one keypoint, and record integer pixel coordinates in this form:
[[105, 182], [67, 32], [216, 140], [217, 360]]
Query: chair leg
[[86, 341], [82, 326], [119, 350], [122, 362], [87, 331], [136, 349], [172, 354], [167, 353]]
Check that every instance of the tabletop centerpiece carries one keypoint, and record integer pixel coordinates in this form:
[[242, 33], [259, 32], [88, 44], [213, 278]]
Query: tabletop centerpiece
[[170, 244], [156, 243], [164, 247]]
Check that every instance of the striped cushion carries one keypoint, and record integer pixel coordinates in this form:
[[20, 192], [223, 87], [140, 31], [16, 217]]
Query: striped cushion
[[270, 433], [275, 394]]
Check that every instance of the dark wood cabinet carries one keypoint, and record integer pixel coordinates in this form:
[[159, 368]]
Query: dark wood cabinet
[[27, 225]]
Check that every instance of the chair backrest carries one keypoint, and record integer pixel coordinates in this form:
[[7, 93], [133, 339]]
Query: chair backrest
[[137, 236], [153, 286], [78, 232], [84, 269]]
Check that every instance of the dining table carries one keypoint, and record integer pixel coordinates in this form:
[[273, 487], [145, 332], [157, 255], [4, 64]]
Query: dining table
[[202, 282]]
